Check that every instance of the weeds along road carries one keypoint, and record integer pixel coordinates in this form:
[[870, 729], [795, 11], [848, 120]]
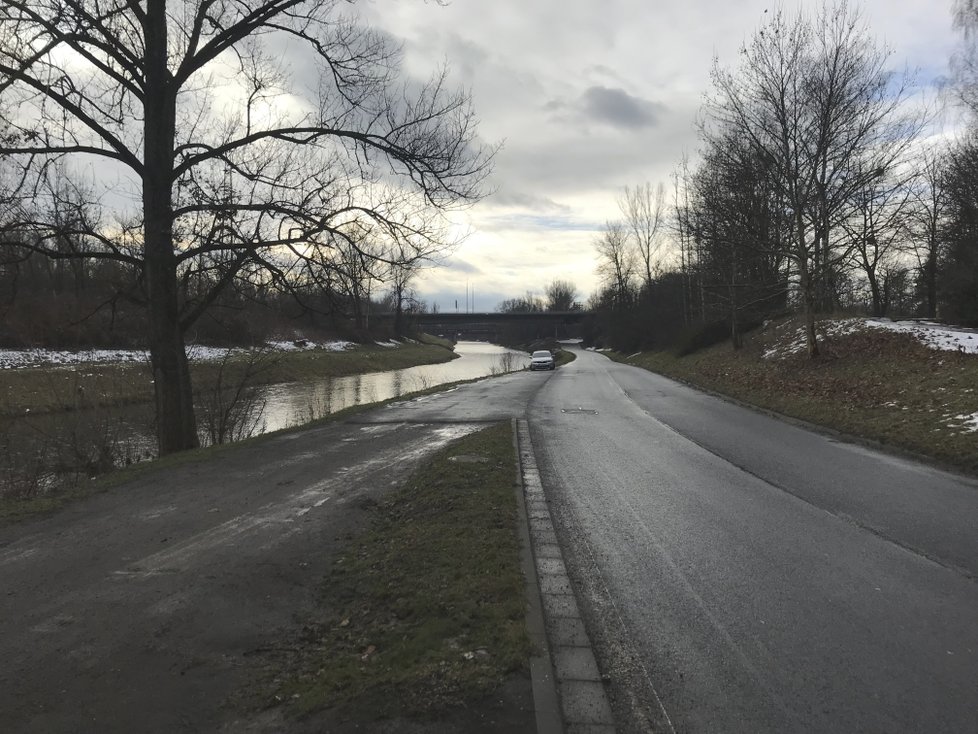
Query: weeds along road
[[741, 574], [738, 573]]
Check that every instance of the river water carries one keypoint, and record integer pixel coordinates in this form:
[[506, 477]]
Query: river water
[[33, 447], [291, 404]]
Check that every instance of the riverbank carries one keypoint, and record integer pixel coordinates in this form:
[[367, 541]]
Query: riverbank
[[62, 425], [74, 385], [910, 387]]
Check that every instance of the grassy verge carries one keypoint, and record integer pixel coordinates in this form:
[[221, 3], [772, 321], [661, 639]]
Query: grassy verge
[[438, 341], [53, 389], [564, 356], [424, 612], [878, 385]]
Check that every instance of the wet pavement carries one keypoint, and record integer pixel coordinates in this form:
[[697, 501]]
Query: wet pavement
[[736, 573]]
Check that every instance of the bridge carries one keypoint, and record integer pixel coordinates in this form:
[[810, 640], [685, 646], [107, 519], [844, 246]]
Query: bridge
[[498, 326]]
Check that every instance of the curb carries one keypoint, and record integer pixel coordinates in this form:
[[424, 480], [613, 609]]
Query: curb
[[569, 664], [546, 704]]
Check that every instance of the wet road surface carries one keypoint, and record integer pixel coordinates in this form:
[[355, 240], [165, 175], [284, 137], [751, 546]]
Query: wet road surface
[[746, 575], [739, 574]]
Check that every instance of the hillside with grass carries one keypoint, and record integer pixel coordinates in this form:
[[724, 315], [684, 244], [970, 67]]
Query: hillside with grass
[[911, 386]]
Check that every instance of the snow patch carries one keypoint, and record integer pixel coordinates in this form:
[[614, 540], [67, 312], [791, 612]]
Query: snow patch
[[965, 423], [935, 336], [930, 334], [17, 358], [22, 358]]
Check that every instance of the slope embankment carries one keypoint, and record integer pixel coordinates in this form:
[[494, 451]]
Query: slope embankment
[[910, 386]]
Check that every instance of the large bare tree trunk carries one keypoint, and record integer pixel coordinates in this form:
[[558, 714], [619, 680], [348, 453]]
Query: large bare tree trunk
[[176, 424]]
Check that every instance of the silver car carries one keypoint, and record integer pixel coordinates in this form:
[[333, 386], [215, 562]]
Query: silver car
[[542, 360]]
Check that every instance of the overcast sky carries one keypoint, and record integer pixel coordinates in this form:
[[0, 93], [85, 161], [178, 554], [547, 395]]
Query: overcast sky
[[588, 96]]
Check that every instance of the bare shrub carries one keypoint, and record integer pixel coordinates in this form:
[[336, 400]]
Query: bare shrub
[[50, 452], [505, 362], [231, 409]]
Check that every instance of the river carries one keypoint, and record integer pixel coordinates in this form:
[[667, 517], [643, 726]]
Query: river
[[33, 447], [295, 403]]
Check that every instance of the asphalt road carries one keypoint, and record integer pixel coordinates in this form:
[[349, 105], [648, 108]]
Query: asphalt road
[[738, 573], [741, 574]]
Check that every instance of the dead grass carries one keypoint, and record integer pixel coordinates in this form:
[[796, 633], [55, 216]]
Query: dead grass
[[424, 613], [879, 385], [564, 356]]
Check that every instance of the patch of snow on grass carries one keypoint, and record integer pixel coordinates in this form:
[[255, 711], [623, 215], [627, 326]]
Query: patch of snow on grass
[[965, 423], [794, 342], [337, 346], [23, 358], [935, 336], [304, 345], [390, 343], [20, 358]]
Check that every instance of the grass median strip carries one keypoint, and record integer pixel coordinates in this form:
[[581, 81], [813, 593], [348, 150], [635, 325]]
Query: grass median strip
[[425, 611]]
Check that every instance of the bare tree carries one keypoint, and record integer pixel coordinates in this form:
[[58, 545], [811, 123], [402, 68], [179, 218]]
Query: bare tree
[[964, 62], [817, 100], [209, 150], [616, 263], [929, 206], [736, 220], [878, 227], [401, 270], [356, 270], [525, 304], [561, 295], [958, 272], [644, 212]]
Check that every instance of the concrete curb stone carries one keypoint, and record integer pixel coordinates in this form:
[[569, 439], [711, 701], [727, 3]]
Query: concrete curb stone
[[583, 701]]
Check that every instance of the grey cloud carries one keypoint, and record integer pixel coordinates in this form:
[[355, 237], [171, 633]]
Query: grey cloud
[[530, 222], [466, 55], [461, 266], [620, 109], [525, 200]]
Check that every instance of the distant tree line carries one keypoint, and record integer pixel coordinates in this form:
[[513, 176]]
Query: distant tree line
[[82, 303], [558, 296], [815, 192]]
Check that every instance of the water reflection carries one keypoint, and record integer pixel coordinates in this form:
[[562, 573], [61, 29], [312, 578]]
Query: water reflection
[[37, 449], [292, 404]]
